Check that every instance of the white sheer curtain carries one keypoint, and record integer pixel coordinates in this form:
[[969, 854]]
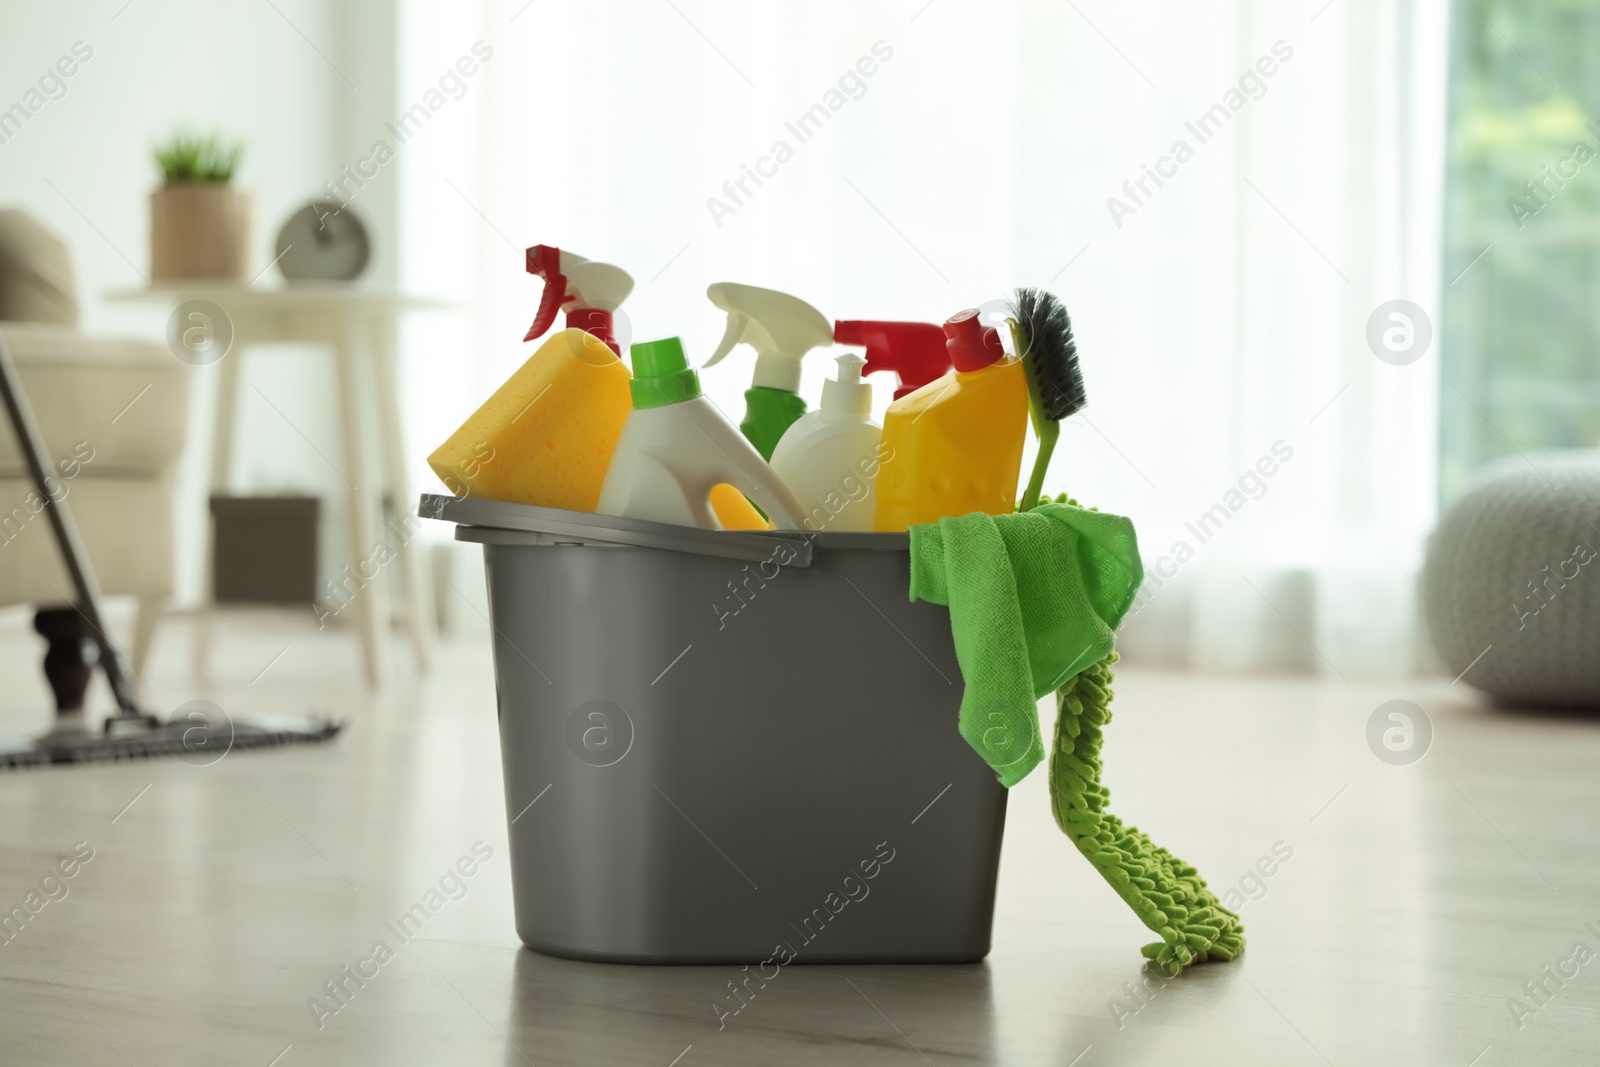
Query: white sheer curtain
[[1221, 309]]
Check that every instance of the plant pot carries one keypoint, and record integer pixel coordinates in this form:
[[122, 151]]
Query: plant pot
[[200, 230]]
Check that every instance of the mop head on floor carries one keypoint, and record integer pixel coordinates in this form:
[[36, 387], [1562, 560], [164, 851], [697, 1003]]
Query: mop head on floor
[[193, 740], [1035, 599], [1167, 894]]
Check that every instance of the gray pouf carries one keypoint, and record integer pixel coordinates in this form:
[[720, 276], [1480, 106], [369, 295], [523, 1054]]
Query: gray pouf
[[1513, 569]]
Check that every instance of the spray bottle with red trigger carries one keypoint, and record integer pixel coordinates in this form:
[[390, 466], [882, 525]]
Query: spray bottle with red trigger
[[915, 351], [588, 292], [957, 441]]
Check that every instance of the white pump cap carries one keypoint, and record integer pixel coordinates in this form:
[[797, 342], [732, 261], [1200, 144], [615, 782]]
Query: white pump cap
[[846, 394], [593, 285], [780, 327]]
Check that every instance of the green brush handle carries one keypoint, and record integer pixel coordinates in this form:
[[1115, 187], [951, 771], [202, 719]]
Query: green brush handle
[[1048, 432]]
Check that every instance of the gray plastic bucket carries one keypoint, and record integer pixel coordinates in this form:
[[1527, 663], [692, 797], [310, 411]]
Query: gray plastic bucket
[[717, 744]]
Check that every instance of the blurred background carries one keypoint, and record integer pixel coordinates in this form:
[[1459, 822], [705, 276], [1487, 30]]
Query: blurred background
[[1226, 199]]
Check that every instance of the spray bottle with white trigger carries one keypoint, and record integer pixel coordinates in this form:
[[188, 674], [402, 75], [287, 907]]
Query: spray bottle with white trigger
[[588, 292], [781, 328]]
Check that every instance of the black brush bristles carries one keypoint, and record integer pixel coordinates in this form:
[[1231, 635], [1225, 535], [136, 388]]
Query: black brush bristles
[[1051, 352]]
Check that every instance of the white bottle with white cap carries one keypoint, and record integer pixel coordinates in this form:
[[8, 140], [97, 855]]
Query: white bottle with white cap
[[830, 457]]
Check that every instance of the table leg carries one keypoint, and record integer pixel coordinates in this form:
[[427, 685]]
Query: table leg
[[222, 427], [366, 574], [415, 579]]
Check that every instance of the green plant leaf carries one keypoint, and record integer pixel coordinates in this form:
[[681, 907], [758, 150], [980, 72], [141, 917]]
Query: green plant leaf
[[189, 159]]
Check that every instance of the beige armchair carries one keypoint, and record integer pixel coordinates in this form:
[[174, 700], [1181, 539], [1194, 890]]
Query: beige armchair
[[113, 414]]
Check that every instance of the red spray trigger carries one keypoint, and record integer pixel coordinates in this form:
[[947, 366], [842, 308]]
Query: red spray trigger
[[545, 261], [914, 350]]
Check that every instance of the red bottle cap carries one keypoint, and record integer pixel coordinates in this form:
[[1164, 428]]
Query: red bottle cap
[[972, 345], [596, 321], [913, 350]]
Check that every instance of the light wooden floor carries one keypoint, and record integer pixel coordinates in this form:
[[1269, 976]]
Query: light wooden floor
[[1417, 902]]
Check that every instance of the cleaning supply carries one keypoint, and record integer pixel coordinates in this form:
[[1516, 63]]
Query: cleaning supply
[[130, 732], [1035, 599], [752, 679], [914, 351], [546, 435], [781, 328], [588, 292], [830, 458], [1041, 333], [734, 512], [957, 441], [1167, 894], [676, 448], [1052, 584]]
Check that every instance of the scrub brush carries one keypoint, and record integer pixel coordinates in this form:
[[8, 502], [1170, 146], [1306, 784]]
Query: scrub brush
[[1041, 332]]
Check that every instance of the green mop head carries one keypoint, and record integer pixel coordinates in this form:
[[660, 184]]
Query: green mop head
[[1041, 332], [1167, 894]]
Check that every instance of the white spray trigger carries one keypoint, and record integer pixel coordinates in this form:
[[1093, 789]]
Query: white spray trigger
[[737, 321], [781, 328], [593, 285]]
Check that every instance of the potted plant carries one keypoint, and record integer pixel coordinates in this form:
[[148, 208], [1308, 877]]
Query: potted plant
[[200, 224]]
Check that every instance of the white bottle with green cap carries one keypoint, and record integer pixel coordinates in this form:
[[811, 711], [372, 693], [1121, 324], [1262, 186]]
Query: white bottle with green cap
[[676, 447], [830, 457]]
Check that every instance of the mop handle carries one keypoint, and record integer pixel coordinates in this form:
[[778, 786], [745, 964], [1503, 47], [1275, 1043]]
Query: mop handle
[[66, 531]]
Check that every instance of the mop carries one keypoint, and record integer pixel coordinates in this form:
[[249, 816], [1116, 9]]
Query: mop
[[1167, 894], [130, 733]]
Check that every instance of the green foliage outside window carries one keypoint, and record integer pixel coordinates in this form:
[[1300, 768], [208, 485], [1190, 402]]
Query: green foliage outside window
[[1521, 326]]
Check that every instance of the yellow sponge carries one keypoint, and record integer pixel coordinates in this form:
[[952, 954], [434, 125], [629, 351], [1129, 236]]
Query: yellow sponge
[[546, 436]]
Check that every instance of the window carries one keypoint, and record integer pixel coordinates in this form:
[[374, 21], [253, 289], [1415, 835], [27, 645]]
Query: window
[[1521, 318]]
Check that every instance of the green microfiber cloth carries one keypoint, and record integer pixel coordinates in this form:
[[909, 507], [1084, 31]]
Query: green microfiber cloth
[[1035, 598]]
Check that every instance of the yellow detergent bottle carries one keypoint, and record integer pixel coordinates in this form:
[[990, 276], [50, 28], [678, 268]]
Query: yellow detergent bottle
[[954, 446]]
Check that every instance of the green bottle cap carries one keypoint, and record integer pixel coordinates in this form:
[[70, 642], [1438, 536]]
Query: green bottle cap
[[661, 374]]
